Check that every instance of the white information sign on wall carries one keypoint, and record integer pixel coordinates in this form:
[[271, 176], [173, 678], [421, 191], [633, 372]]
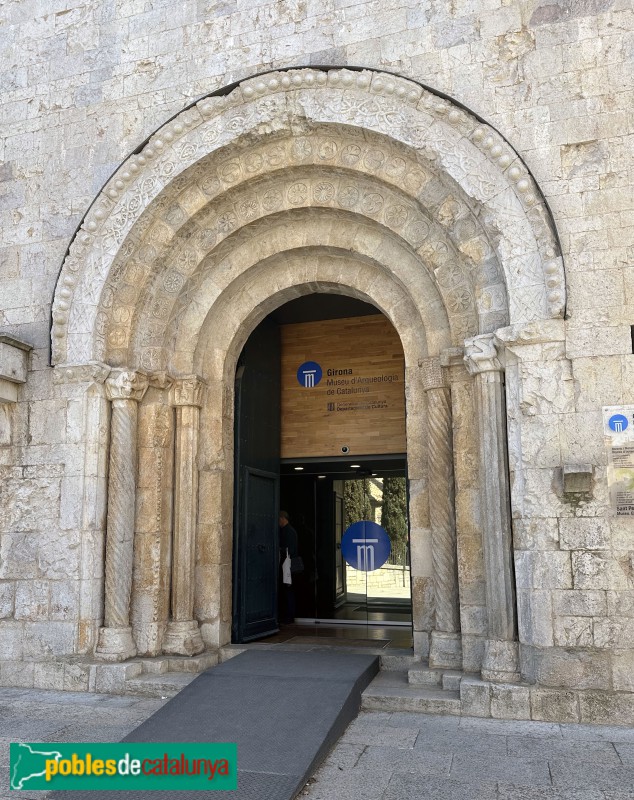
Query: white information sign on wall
[[618, 428]]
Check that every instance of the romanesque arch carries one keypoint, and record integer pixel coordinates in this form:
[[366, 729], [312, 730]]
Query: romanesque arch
[[356, 182]]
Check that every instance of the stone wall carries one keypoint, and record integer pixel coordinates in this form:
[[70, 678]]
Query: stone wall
[[86, 84]]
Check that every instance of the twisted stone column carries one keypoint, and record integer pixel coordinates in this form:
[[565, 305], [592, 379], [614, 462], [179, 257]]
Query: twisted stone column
[[501, 654], [183, 634], [124, 389], [445, 647]]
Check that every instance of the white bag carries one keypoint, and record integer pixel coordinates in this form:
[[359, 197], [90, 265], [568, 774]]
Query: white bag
[[286, 570]]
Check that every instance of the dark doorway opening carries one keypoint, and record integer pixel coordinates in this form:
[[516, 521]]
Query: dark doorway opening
[[322, 495]]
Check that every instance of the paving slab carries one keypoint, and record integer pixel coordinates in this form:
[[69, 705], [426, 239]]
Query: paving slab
[[409, 786]]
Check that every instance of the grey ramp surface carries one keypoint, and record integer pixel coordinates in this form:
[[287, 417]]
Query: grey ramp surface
[[284, 709]]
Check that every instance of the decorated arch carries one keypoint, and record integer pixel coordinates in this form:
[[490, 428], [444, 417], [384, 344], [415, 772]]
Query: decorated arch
[[357, 182]]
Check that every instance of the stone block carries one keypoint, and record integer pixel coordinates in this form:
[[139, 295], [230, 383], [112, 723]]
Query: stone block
[[421, 643], [597, 380], [422, 603], [32, 600], [584, 533], [17, 673], [7, 599], [46, 639], [554, 706], [472, 652], [573, 632], [49, 675], [570, 668], [620, 604], [596, 570], [29, 505], [71, 503], [11, 641], [535, 617], [622, 533], [614, 633], [445, 650], [606, 708], [509, 701], [111, 678], [64, 600], [475, 697], [534, 570], [580, 603], [47, 421], [536, 533], [473, 619], [623, 670], [76, 677]]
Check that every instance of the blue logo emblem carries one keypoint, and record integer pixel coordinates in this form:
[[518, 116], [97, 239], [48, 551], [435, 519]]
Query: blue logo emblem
[[309, 374], [365, 546], [618, 423]]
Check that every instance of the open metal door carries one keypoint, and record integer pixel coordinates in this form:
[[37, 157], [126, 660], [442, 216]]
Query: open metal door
[[257, 556], [256, 488]]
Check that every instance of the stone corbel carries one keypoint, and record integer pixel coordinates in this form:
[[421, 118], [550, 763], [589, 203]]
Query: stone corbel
[[92, 372], [14, 356]]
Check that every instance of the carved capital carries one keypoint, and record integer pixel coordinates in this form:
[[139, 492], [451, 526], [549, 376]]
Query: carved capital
[[124, 384], [432, 374], [187, 391], [92, 372], [160, 380], [481, 354]]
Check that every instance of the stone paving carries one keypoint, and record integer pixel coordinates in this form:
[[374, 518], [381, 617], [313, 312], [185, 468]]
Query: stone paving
[[381, 756], [36, 715], [405, 755]]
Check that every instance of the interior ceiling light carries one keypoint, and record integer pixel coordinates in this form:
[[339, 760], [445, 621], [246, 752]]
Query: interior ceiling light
[[299, 469], [355, 466], [321, 476]]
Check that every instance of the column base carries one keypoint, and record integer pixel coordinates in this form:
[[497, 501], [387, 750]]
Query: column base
[[501, 661], [183, 638], [115, 644], [445, 650]]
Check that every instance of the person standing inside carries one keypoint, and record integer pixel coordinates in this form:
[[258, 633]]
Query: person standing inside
[[288, 542]]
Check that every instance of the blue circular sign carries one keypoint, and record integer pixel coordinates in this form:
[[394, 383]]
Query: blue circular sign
[[618, 423], [365, 546], [309, 374]]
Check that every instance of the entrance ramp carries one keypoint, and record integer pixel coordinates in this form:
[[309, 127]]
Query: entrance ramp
[[284, 709]]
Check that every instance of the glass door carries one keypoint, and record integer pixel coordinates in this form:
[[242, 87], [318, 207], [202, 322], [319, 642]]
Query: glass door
[[377, 569]]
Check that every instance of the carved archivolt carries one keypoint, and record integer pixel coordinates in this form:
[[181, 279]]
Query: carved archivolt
[[368, 151]]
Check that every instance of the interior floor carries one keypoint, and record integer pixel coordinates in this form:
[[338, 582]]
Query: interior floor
[[332, 635]]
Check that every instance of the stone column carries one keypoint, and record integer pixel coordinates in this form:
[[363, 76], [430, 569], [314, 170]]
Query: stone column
[[445, 646], [501, 653], [183, 634], [124, 389]]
